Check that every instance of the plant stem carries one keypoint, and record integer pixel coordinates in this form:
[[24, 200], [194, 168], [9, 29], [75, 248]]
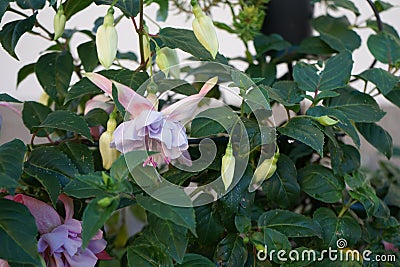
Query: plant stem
[[346, 207]]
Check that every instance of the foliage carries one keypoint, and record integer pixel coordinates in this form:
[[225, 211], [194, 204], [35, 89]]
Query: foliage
[[318, 194]]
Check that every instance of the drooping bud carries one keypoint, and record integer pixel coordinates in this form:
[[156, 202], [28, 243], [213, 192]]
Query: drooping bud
[[151, 94], [59, 23], [167, 60], [326, 120], [108, 154], [204, 30], [228, 166], [264, 171], [107, 40], [146, 47]]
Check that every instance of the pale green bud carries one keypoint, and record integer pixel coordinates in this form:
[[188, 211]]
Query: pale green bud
[[264, 171], [59, 23], [107, 40], [105, 202], [228, 166], [108, 154], [167, 60], [326, 120], [204, 30]]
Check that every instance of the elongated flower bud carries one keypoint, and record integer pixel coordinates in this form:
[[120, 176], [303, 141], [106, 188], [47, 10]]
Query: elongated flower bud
[[204, 30], [107, 40], [264, 171], [228, 166], [108, 154], [167, 60], [59, 23], [326, 120]]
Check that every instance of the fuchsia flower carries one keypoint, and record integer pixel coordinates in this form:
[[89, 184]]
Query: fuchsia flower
[[152, 130], [99, 101], [60, 241]]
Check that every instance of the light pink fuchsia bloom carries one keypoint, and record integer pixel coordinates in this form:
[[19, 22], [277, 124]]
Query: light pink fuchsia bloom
[[152, 130], [60, 241]]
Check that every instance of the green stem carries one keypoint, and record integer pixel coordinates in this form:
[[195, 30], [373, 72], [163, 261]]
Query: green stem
[[346, 207]]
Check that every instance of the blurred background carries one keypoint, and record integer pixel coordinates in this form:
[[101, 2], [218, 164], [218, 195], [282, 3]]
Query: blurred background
[[30, 47]]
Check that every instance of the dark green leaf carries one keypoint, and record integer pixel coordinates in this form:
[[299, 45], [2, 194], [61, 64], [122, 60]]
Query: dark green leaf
[[88, 54], [320, 183], [384, 81], [336, 74], [286, 93], [356, 105], [178, 86], [49, 180], [212, 121], [127, 55], [344, 159], [86, 186], [385, 48], [264, 43], [3, 7], [382, 5], [290, 223], [386, 27], [17, 234], [7, 98], [180, 216], [266, 70], [208, 224], [96, 117], [12, 32], [81, 88], [282, 188], [162, 12], [54, 71], [377, 137], [34, 114], [94, 217], [31, 4], [392, 196], [347, 4], [242, 223], [336, 33], [72, 7], [129, 7], [314, 46], [231, 251], [277, 241], [12, 156], [394, 96], [334, 228], [304, 130], [147, 256], [68, 121], [172, 236], [196, 260], [25, 71], [80, 156]]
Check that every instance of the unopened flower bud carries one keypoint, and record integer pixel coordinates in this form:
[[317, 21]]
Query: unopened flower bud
[[167, 60], [107, 40], [204, 30], [326, 120], [105, 202], [108, 154], [264, 171], [59, 23], [228, 166]]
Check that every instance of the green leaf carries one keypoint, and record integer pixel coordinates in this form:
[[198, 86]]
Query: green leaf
[[242, 223], [17, 234], [344, 123], [286, 93], [282, 188], [384, 81], [377, 137], [129, 7], [336, 33], [7, 98], [394, 96], [344, 159], [34, 114], [275, 240], [385, 48], [392, 196], [127, 55], [86, 186], [304, 130], [80, 156], [209, 227], [54, 71], [336, 74], [3, 7], [48, 179], [347, 4], [264, 43], [186, 41], [290, 223], [356, 105], [88, 54], [31, 4], [25, 71], [231, 251], [72, 7], [68, 121], [178, 86], [334, 228], [382, 5], [212, 121], [386, 27], [172, 236], [162, 12], [12, 156], [94, 217], [320, 183], [195, 260], [314, 46], [143, 255], [184, 217], [81, 88], [12, 32], [96, 117]]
